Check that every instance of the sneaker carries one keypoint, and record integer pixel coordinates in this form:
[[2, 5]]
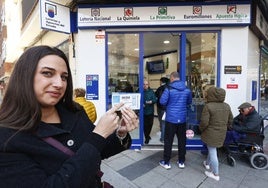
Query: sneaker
[[205, 165], [212, 175], [164, 164], [180, 164]]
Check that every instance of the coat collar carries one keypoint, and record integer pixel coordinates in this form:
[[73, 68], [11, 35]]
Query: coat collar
[[68, 120]]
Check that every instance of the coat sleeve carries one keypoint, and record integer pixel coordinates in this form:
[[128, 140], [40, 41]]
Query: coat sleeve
[[164, 97], [154, 98], [230, 118], [205, 116]]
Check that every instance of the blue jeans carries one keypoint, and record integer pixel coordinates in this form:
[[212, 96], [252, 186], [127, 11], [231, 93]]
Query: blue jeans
[[212, 159]]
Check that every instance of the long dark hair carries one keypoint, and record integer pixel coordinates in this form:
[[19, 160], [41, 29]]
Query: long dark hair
[[20, 109]]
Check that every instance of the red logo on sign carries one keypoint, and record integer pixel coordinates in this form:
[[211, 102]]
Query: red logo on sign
[[197, 10], [231, 9], [128, 12]]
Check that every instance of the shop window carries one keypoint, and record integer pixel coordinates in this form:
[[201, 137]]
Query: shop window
[[201, 69], [123, 66]]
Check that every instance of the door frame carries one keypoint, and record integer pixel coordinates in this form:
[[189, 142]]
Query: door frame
[[194, 144]]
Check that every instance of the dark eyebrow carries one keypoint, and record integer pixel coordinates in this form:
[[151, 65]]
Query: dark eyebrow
[[52, 69], [48, 68]]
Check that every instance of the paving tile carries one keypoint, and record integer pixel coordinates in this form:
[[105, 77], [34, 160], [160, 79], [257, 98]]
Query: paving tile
[[140, 169]]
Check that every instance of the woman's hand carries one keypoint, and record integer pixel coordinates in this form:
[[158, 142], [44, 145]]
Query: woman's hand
[[109, 122], [129, 122]]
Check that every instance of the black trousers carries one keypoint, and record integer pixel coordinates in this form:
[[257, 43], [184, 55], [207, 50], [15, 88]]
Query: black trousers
[[170, 130], [148, 124]]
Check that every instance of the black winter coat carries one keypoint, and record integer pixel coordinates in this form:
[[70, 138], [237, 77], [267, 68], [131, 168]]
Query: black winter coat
[[26, 161], [250, 123]]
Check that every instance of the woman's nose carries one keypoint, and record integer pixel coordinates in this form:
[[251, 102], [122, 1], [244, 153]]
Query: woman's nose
[[58, 81]]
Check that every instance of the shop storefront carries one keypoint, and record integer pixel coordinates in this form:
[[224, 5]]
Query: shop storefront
[[208, 44]]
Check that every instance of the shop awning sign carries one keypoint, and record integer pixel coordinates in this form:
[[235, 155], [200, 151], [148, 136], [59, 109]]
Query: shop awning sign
[[164, 15], [55, 17]]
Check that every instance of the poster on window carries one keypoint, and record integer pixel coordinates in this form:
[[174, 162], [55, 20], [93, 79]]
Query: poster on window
[[254, 90], [92, 87]]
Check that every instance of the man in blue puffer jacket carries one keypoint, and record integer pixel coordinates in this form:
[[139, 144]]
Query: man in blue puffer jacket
[[176, 98]]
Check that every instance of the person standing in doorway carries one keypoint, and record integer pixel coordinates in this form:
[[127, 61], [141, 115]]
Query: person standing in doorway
[[216, 117], [160, 108], [176, 97], [89, 107], [148, 110]]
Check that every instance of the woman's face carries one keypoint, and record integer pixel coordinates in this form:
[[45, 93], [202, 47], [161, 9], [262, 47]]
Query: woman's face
[[50, 80]]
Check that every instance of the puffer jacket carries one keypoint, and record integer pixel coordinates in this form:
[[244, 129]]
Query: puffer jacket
[[89, 108], [216, 117], [176, 97]]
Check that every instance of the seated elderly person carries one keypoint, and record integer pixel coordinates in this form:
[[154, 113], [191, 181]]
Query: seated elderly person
[[248, 121]]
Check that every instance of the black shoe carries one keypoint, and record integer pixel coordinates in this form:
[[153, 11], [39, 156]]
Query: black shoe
[[147, 141]]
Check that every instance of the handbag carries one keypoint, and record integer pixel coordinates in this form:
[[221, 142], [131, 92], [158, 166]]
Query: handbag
[[55, 143]]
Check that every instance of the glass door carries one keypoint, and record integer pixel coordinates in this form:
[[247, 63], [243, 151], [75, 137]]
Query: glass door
[[123, 68], [192, 54], [161, 57], [201, 72], [263, 107]]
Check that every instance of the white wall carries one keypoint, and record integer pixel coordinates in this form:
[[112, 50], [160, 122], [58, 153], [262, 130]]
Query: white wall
[[90, 59], [13, 23], [253, 60], [53, 38], [238, 47]]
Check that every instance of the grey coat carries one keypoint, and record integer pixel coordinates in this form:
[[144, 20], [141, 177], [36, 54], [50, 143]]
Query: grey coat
[[216, 117]]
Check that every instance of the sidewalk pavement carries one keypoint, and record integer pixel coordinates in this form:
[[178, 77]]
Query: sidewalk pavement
[[140, 169]]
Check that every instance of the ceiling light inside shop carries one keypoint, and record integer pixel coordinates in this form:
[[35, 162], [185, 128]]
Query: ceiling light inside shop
[[166, 42]]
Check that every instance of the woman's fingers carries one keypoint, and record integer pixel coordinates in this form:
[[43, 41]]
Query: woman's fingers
[[115, 108], [130, 119]]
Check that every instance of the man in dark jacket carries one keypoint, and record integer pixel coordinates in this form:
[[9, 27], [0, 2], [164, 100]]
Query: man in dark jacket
[[148, 110], [176, 97], [160, 108], [248, 121]]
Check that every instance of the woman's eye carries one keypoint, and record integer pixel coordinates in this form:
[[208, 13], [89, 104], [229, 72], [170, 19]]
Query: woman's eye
[[47, 73], [64, 78]]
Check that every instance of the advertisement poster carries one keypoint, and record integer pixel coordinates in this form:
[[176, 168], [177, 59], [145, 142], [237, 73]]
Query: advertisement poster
[[92, 87], [254, 90]]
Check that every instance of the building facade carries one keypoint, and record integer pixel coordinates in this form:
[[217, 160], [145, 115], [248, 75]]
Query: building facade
[[112, 47]]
